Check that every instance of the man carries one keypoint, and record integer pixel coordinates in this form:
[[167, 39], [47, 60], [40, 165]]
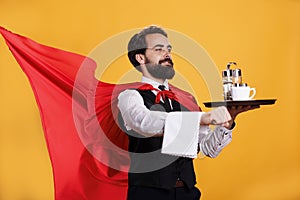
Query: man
[[149, 123]]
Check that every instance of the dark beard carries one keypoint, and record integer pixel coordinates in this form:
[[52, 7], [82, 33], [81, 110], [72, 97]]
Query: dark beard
[[159, 71]]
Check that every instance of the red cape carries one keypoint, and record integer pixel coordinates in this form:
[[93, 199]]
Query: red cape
[[86, 147]]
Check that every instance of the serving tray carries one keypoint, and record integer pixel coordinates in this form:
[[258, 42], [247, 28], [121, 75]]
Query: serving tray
[[240, 103]]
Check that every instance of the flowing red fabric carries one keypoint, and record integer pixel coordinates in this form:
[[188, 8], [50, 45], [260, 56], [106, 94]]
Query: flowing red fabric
[[88, 150]]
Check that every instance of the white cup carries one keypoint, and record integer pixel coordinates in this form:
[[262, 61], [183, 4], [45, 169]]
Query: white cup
[[242, 93]]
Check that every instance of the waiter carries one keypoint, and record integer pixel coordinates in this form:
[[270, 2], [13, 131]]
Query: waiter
[[164, 135]]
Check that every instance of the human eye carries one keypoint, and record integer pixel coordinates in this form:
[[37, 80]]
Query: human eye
[[158, 49]]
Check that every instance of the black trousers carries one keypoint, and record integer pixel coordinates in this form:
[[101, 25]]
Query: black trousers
[[150, 193]]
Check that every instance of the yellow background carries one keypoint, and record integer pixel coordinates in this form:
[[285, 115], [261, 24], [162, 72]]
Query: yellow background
[[263, 36]]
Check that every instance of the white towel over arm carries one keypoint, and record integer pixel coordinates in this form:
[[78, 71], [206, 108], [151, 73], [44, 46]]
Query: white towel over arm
[[181, 134]]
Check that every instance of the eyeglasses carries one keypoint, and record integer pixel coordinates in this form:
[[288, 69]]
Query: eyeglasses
[[160, 48]]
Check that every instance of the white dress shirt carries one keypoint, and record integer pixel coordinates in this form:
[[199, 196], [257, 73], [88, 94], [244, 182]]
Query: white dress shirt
[[181, 130]]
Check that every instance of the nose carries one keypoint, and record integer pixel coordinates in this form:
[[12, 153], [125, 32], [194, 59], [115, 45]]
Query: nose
[[166, 53]]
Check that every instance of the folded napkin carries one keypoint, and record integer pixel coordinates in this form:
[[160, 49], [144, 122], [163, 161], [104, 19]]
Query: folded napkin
[[181, 134]]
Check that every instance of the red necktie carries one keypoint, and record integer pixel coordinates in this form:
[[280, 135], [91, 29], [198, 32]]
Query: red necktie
[[160, 93]]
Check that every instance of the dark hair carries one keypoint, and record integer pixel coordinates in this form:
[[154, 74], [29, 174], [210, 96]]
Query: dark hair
[[138, 45]]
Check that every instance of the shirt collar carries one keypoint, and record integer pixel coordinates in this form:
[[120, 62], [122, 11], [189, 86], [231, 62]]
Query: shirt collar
[[154, 83]]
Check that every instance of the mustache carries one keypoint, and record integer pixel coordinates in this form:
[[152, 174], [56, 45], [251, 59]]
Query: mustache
[[166, 60]]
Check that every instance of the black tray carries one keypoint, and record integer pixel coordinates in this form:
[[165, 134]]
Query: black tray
[[240, 103]]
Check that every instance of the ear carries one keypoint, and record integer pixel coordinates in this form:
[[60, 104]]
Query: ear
[[140, 58]]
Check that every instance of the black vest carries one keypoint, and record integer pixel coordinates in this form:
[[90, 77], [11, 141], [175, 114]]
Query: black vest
[[148, 166]]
